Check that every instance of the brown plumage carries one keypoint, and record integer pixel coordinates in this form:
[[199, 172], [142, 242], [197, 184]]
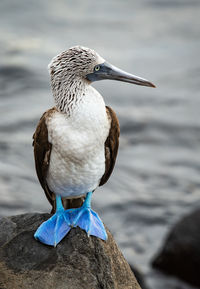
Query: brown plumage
[[42, 154], [111, 145]]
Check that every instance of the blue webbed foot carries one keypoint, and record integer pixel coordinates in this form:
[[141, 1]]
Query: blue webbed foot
[[52, 231], [88, 220]]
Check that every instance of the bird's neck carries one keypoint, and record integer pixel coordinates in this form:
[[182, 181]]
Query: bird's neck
[[68, 94]]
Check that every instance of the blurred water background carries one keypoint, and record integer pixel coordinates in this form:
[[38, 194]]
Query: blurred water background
[[156, 178]]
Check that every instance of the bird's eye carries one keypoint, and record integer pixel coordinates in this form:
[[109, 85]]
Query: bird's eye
[[97, 68]]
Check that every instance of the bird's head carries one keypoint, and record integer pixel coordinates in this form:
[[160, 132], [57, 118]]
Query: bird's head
[[84, 64], [74, 63]]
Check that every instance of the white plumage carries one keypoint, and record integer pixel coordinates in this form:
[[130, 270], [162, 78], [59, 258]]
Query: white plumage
[[77, 160]]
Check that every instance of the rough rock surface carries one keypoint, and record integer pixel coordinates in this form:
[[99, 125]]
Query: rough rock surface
[[78, 262], [180, 254]]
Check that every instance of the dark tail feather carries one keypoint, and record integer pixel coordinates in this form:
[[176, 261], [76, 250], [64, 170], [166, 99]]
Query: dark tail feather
[[68, 204]]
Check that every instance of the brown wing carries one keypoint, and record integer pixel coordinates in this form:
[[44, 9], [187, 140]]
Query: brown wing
[[42, 153], [111, 145]]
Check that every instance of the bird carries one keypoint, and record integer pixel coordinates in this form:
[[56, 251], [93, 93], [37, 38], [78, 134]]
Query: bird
[[76, 142]]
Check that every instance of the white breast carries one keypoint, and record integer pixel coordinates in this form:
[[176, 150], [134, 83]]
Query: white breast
[[77, 160]]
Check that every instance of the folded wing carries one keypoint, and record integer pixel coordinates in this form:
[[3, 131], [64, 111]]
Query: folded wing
[[42, 154], [111, 145]]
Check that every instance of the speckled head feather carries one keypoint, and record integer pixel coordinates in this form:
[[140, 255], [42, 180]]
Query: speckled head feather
[[68, 72], [74, 62]]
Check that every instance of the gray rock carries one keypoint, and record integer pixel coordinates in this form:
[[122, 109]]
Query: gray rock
[[78, 262], [180, 255]]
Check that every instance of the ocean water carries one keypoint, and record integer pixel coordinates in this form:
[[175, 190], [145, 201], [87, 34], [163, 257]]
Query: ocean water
[[156, 178]]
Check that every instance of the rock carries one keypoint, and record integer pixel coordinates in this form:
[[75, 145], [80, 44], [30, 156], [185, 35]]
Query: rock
[[78, 262], [180, 255]]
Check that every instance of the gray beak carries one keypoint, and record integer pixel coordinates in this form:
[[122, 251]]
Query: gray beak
[[108, 71]]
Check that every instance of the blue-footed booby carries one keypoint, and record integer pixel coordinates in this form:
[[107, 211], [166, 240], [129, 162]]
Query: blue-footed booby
[[76, 142]]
